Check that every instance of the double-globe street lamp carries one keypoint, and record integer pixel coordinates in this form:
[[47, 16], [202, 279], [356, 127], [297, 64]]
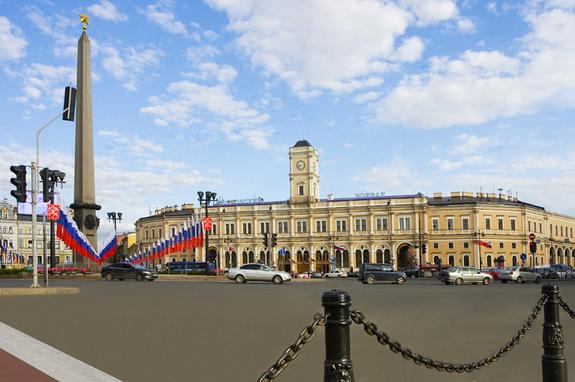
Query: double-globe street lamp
[[206, 198], [115, 217]]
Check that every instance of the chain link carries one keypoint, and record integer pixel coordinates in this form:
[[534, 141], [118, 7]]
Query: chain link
[[566, 307], [371, 329], [293, 351]]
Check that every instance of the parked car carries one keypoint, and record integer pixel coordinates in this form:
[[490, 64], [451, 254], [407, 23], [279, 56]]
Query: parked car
[[257, 272], [369, 273], [460, 275], [336, 273], [352, 274], [412, 272], [563, 270], [123, 271], [519, 275], [546, 272], [493, 272]]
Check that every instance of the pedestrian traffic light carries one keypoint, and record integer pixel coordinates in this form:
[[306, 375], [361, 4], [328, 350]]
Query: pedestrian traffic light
[[20, 182], [424, 249], [265, 239], [46, 176], [274, 239]]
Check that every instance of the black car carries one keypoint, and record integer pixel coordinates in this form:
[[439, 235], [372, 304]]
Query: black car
[[411, 272], [123, 271], [369, 273]]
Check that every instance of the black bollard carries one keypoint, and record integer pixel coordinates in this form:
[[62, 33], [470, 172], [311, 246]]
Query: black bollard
[[338, 366], [554, 366]]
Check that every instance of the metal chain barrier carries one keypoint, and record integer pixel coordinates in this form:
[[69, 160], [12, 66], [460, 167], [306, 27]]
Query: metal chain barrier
[[566, 307], [293, 351], [371, 329]]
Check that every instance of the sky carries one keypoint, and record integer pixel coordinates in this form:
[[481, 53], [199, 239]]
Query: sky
[[399, 97]]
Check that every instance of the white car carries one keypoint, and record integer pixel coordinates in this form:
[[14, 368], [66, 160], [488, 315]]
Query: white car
[[257, 272], [337, 273]]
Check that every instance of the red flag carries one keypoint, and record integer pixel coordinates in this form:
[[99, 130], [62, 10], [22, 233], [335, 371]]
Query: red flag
[[484, 243]]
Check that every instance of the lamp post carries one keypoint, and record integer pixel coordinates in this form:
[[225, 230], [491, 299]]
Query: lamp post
[[206, 198], [115, 217]]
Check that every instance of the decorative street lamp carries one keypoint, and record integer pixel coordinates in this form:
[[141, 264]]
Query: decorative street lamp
[[116, 217], [206, 198]]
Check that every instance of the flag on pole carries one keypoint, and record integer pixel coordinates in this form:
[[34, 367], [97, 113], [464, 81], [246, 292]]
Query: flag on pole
[[484, 243], [338, 248]]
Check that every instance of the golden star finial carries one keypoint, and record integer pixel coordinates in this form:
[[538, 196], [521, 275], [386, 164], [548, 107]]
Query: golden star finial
[[84, 20]]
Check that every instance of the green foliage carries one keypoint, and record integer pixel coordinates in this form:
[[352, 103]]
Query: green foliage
[[12, 271]]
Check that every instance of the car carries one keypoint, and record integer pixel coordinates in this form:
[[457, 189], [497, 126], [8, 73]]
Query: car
[[492, 271], [563, 270], [412, 272], [352, 274], [122, 271], [369, 273], [519, 275], [460, 275], [546, 273], [257, 272], [336, 273]]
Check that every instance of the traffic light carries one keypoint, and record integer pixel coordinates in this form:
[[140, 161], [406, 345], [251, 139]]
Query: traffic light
[[265, 239], [69, 103], [532, 247], [424, 249], [274, 239], [20, 182], [46, 176]]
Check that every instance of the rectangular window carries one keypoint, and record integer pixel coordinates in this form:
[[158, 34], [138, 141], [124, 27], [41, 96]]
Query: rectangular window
[[381, 224], [465, 244], [404, 223], [361, 224], [320, 226], [230, 229], [173, 231], [435, 224], [301, 190], [247, 228], [341, 225], [214, 230], [571, 232], [450, 245], [465, 223], [435, 245], [487, 223], [450, 224], [301, 226], [283, 227], [264, 227], [541, 227], [500, 245], [30, 243], [500, 223], [556, 230], [513, 245], [153, 233], [529, 226], [512, 222], [147, 234], [561, 230]]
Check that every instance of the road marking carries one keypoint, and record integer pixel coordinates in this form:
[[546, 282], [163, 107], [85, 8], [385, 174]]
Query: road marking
[[47, 359]]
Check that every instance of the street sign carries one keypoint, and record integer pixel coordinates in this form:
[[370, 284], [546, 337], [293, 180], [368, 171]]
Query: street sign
[[333, 260], [53, 211], [207, 223], [538, 241], [531, 236], [282, 251], [523, 257]]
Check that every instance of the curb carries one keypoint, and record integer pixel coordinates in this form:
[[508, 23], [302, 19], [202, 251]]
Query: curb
[[37, 291]]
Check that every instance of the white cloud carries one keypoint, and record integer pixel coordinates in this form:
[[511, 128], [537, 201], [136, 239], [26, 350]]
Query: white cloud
[[132, 143], [201, 53], [465, 25], [57, 27], [12, 41], [43, 83], [365, 97], [329, 45], [189, 102], [481, 86], [108, 11], [162, 13], [467, 144], [213, 71], [129, 65]]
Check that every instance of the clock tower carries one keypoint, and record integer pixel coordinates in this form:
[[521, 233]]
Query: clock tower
[[303, 176]]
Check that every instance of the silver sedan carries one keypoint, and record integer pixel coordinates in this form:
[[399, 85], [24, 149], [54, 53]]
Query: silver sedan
[[519, 275], [257, 272]]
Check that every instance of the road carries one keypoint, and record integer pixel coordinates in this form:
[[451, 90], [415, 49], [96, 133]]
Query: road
[[217, 331]]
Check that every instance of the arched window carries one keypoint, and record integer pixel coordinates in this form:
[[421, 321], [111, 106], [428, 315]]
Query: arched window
[[489, 261], [514, 261], [379, 256], [387, 256], [338, 259], [245, 259], [345, 256], [357, 258], [435, 259], [365, 256], [466, 260], [263, 257], [451, 260]]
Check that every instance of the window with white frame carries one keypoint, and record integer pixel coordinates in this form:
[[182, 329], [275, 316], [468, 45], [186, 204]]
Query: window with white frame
[[500, 223], [341, 225], [247, 228], [404, 223], [230, 229], [301, 226], [283, 227], [450, 224], [264, 227], [465, 223], [512, 222], [487, 223], [435, 224], [361, 224], [214, 230], [381, 224], [321, 226]]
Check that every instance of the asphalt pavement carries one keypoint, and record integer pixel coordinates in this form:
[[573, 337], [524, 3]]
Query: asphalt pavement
[[218, 331]]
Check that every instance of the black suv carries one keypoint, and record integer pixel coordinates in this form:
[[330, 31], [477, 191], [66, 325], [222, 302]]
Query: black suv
[[369, 273], [123, 271]]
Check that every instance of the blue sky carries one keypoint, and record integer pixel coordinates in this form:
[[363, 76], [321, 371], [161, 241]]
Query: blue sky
[[399, 96]]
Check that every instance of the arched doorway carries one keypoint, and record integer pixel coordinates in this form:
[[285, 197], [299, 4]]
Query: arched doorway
[[551, 255], [379, 256], [436, 260], [466, 260], [387, 256], [489, 264], [213, 257], [560, 256], [262, 259], [231, 261], [361, 257], [514, 261], [451, 260], [568, 257], [322, 261], [303, 261], [405, 257]]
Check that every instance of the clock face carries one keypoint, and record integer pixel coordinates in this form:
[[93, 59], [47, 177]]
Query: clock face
[[300, 165]]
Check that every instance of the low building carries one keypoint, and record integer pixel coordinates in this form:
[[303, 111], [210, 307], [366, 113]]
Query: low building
[[314, 234]]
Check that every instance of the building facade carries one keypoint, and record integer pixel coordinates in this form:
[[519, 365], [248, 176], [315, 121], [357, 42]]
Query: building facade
[[16, 234], [314, 234]]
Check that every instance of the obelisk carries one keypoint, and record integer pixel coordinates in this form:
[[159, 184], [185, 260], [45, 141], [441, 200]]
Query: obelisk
[[84, 205]]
